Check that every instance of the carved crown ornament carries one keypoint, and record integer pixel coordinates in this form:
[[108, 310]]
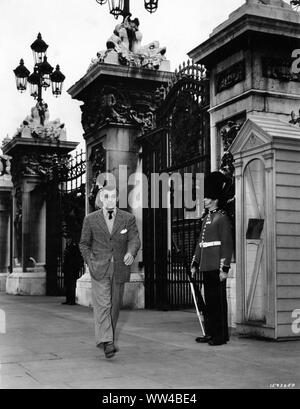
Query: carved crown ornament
[[112, 105]]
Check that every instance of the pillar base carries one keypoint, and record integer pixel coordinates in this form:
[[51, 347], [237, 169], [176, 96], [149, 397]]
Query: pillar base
[[31, 282], [134, 294], [3, 278], [84, 290]]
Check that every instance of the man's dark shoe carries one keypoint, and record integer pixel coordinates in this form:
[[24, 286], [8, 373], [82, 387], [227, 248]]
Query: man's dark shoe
[[202, 340], [109, 349], [65, 303]]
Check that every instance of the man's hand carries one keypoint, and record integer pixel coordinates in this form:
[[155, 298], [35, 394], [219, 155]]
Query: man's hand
[[193, 271], [128, 259], [223, 270], [223, 276]]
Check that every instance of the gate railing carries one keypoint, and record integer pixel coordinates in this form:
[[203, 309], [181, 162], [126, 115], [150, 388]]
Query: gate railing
[[179, 144], [72, 204]]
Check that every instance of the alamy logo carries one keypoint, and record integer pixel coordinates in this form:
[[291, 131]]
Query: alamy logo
[[295, 68], [2, 322], [296, 322]]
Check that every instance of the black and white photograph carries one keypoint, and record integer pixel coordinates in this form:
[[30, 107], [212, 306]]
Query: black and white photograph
[[149, 198]]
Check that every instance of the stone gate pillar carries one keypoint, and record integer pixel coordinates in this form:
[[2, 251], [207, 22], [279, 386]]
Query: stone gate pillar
[[249, 59], [118, 94], [35, 149], [6, 187]]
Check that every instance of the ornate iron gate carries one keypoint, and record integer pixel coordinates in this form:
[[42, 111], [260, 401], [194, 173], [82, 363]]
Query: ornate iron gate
[[65, 213], [180, 144]]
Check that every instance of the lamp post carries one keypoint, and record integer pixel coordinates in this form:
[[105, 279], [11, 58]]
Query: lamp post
[[42, 76], [295, 4], [122, 7]]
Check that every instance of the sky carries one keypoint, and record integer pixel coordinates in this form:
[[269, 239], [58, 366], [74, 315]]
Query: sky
[[75, 31]]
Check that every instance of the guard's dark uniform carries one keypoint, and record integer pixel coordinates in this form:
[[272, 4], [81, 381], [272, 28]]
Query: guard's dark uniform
[[72, 264], [215, 243]]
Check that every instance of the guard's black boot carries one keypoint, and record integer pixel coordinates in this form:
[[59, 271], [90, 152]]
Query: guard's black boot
[[204, 339]]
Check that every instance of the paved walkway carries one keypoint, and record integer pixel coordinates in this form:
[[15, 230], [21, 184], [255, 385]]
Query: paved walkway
[[49, 345]]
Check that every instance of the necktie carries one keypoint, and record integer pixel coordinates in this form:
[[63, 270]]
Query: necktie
[[110, 213]]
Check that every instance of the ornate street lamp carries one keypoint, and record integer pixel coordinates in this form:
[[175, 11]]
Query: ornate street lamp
[[39, 49], [116, 7], [295, 4], [34, 80], [42, 75], [57, 79], [151, 5], [122, 8], [21, 73], [45, 70]]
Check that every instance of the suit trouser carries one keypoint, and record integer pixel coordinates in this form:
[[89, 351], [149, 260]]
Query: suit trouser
[[107, 296], [216, 305]]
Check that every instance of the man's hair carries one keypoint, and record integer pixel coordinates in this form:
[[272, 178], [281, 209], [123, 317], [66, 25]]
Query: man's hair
[[109, 187]]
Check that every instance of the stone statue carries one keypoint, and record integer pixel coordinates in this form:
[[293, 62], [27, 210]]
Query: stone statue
[[37, 125], [125, 43]]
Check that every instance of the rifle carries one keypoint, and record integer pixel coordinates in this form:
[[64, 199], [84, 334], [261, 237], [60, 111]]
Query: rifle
[[196, 293]]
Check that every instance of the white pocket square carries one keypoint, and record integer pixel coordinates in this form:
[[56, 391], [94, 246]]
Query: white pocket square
[[123, 231]]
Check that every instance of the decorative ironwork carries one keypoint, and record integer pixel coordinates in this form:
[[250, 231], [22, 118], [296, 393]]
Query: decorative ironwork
[[183, 109], [65, 212], [230, 76], [279, 69], [179, 143]]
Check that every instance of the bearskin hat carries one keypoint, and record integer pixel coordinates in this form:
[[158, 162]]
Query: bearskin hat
[[214, 185]]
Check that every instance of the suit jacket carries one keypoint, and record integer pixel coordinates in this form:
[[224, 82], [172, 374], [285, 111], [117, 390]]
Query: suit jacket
[[97, 245], [216, 227]]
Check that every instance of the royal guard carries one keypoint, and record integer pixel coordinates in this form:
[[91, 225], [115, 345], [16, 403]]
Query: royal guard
[[212, 259]]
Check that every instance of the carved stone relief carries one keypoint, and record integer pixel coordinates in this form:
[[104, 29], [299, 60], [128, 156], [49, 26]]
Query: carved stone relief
[[112, 104], [230, 76], [97, 162], [279, 69]]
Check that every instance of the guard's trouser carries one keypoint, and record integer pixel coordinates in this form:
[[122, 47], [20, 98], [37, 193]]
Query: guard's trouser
[[216, 305], [107, 296]]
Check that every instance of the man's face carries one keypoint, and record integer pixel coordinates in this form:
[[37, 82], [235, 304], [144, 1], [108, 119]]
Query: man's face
[[108, 199], [209, 203]]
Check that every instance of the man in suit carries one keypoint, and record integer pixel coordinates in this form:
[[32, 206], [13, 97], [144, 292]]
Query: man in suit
[[212, 258], [109, 244]]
